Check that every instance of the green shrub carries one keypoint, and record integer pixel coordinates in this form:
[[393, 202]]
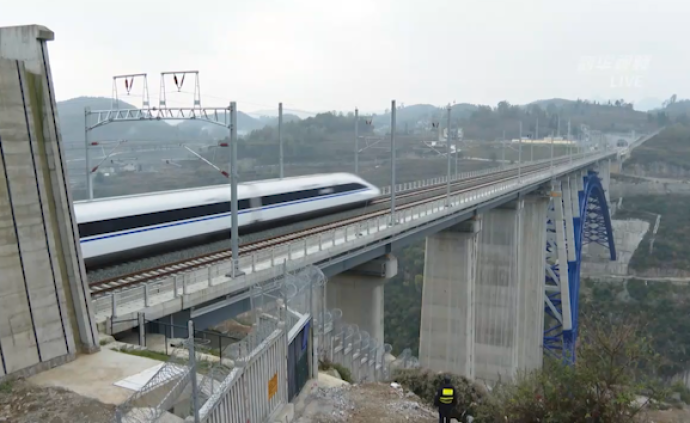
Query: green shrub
[[6, 387], [615, 363], [344, 372]]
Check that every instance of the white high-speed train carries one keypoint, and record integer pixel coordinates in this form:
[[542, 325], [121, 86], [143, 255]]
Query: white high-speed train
[[116, 229]]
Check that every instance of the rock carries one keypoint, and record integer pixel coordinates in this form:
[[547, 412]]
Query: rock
[[328, 381], [412, 396], [232, 328], [333, 372], [104, 339]]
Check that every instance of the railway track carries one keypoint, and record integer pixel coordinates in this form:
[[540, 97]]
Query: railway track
[[147, 275]]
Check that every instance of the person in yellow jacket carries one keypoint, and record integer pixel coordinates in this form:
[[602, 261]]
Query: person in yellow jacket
[[445, 400]]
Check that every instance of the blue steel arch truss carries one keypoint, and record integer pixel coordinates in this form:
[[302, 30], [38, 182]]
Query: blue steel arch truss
[[578, 215]]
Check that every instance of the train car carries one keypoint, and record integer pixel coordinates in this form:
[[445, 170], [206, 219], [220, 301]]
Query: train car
[[118, 229]]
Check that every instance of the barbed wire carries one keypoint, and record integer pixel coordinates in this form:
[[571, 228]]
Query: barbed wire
[[161, 392], [277, 307]]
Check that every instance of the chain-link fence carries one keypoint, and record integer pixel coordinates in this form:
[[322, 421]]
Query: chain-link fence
[[367, 359], [166, 338], [248, 379], [335, 341], [189, 375]]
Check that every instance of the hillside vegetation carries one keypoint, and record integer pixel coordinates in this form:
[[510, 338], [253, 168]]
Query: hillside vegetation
[[664, 307], [671, 246], [671, 148], [483, 122]]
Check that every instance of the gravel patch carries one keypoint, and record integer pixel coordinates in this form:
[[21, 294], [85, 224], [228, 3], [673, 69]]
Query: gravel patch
[[367, 403], [339, 405], [22, 402]]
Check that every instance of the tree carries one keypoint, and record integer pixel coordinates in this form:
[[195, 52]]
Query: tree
[[615, 363], [670, 101]]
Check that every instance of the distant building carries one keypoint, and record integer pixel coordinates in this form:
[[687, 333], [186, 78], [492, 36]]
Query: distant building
[[546, 140]]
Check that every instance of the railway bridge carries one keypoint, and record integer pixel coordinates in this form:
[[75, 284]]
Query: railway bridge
[[503, 251]]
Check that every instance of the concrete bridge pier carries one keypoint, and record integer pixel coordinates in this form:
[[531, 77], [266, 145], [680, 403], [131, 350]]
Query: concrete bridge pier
[[359, 293], [498, 294], [509, 314], [446, 341], [483, 298], [532, 256]]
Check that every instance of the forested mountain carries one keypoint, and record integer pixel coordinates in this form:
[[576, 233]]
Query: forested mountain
[[479, 122], [482, 122]]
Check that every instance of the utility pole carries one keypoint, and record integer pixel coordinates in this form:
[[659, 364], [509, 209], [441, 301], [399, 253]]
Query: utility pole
[[448, 160], [393, 110], [571, 153], [356, 141], [534, 138], [280, 137], [503, 150], [551, 154], [234, 233], [520, 155], [87, 156], [558, 134], [457, 141]]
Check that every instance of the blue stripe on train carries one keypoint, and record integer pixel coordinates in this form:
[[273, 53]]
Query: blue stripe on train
[[217, 216]]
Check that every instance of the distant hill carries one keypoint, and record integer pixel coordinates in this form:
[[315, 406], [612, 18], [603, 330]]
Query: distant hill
[[273, 120], [680, 107], [258, 114], [71, 114], [423, 113], [478, 121], [463, 110], [558, 102], [644, 105], [407, 115]]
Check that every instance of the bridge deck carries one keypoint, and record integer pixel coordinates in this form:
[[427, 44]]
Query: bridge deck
[[198, 287]]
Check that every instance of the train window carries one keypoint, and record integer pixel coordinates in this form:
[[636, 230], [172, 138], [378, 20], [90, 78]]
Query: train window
[[169, 216], [348, 187], [309, 193], [158, 218]]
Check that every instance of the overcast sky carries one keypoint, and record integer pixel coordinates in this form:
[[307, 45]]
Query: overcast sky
[[323, 54]]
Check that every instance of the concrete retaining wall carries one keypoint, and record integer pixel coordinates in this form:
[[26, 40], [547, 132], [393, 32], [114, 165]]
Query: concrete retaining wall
[[45, 316], [627, 235]]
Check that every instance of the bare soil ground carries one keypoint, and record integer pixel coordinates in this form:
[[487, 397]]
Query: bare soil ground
[[669, 416], [368, 403], [23, 402]]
